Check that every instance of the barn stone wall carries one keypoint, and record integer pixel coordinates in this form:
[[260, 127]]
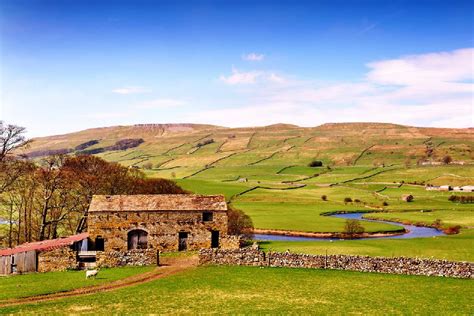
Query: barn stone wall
[[57, 260], [137, 257], [396, 265], [162, 228]]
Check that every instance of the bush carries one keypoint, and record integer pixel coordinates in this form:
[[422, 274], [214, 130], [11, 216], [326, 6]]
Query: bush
[[347, 200], [324, 197], [437, 223], [357, 201], [451, 230], [385, 203], [447, 159], [353, 227], [315, 163], [239, 223]]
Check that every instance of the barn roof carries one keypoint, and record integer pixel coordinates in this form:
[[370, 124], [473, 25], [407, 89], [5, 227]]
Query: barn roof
[[158, 202], [44, 245]]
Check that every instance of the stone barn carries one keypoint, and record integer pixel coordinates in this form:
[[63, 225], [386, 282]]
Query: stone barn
[[131, 229]]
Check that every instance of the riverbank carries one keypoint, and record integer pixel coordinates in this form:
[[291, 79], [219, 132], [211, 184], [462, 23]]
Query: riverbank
[[405, 231]]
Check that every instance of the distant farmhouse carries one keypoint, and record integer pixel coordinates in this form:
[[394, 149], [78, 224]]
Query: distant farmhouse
[[130, 230], [466, 188]]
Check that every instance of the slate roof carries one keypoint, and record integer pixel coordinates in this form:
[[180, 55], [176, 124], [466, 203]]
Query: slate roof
[[44, 245], [158, 202]]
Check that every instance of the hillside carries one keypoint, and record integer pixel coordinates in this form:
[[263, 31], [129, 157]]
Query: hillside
[[189, 147], [264, 170]]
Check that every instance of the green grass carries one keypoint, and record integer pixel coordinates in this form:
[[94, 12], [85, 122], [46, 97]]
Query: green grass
[[455, 247], [249, 290], [26, 285]]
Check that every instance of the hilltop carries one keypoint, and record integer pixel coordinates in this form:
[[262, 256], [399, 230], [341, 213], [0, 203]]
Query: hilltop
[[189, 147]]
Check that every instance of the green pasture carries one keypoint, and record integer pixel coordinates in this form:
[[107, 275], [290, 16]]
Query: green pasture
[[18, 286], [454, 247], [251, 290]]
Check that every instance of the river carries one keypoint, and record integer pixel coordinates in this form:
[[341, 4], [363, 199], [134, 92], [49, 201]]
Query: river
[[412, 231]]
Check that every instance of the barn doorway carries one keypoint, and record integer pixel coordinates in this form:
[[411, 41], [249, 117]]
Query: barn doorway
[[182, 241], [137, 239], [215, 239]]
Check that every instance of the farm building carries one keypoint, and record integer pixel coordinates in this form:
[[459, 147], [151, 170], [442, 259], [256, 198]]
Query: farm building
[[43, 256], [130, 230]]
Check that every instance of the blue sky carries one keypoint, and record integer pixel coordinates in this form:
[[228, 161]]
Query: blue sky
[[71, 65]]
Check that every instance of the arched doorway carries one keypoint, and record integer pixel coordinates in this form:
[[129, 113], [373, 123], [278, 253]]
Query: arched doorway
[[137, 239]]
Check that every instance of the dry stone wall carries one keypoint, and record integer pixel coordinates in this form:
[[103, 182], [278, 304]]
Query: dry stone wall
[[57, 260], [138, 257], [396, 265]]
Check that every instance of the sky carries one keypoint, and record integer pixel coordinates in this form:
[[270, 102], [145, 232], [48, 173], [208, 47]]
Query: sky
[[70, 65]]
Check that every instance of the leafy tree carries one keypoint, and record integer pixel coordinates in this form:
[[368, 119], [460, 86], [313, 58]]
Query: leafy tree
[[239, 223], [353, 227]]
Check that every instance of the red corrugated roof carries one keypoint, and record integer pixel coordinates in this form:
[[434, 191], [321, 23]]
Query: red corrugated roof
[[44, 245]]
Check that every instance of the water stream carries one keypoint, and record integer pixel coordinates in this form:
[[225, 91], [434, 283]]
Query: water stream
[[412, 231]]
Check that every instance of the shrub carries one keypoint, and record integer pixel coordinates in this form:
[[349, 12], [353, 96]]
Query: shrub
[[437, 223], [315, 163], [239, 223], [451, 230], [357, 201], [347, 200], [385, 203], [353, 227], [447, 159], [324, 197]]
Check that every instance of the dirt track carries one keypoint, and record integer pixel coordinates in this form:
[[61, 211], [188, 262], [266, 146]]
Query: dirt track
[[169, 267]]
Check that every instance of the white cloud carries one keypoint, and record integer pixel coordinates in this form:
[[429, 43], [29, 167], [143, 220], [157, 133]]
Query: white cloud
[[161, 104], [241, 77], [251, 77], [424, 69], [426, 90], [253, 57], [130, 90]]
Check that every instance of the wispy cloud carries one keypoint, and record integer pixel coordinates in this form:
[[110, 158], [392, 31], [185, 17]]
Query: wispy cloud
[[251, 77], [241, 77], [130, 90], [432, 89], [253, 57]]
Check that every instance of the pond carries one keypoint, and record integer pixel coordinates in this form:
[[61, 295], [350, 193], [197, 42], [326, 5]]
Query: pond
[[412, 231]]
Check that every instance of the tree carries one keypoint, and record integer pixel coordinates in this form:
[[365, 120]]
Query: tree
[[353, 227], [447, 159], [11, 137], [239, 223], [315, 163], [324, 197], [347, 200]]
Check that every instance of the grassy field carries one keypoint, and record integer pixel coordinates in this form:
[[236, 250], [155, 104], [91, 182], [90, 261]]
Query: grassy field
[[248, 290], [373, 164], [26, 285], [455, 247]]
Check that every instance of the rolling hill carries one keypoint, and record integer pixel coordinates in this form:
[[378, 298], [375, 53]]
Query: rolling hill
[[264, 170]]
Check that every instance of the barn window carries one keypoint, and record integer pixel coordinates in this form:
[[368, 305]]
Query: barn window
[[137, 239], [207, 217]]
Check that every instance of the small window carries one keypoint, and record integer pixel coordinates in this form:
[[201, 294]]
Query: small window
[[207, 217]]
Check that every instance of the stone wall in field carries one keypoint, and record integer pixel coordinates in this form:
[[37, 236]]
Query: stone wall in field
[[137, 257], [59, 259], [396, 265]]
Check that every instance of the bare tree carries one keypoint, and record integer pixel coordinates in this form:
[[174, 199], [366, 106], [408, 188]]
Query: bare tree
[[11, 137]]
